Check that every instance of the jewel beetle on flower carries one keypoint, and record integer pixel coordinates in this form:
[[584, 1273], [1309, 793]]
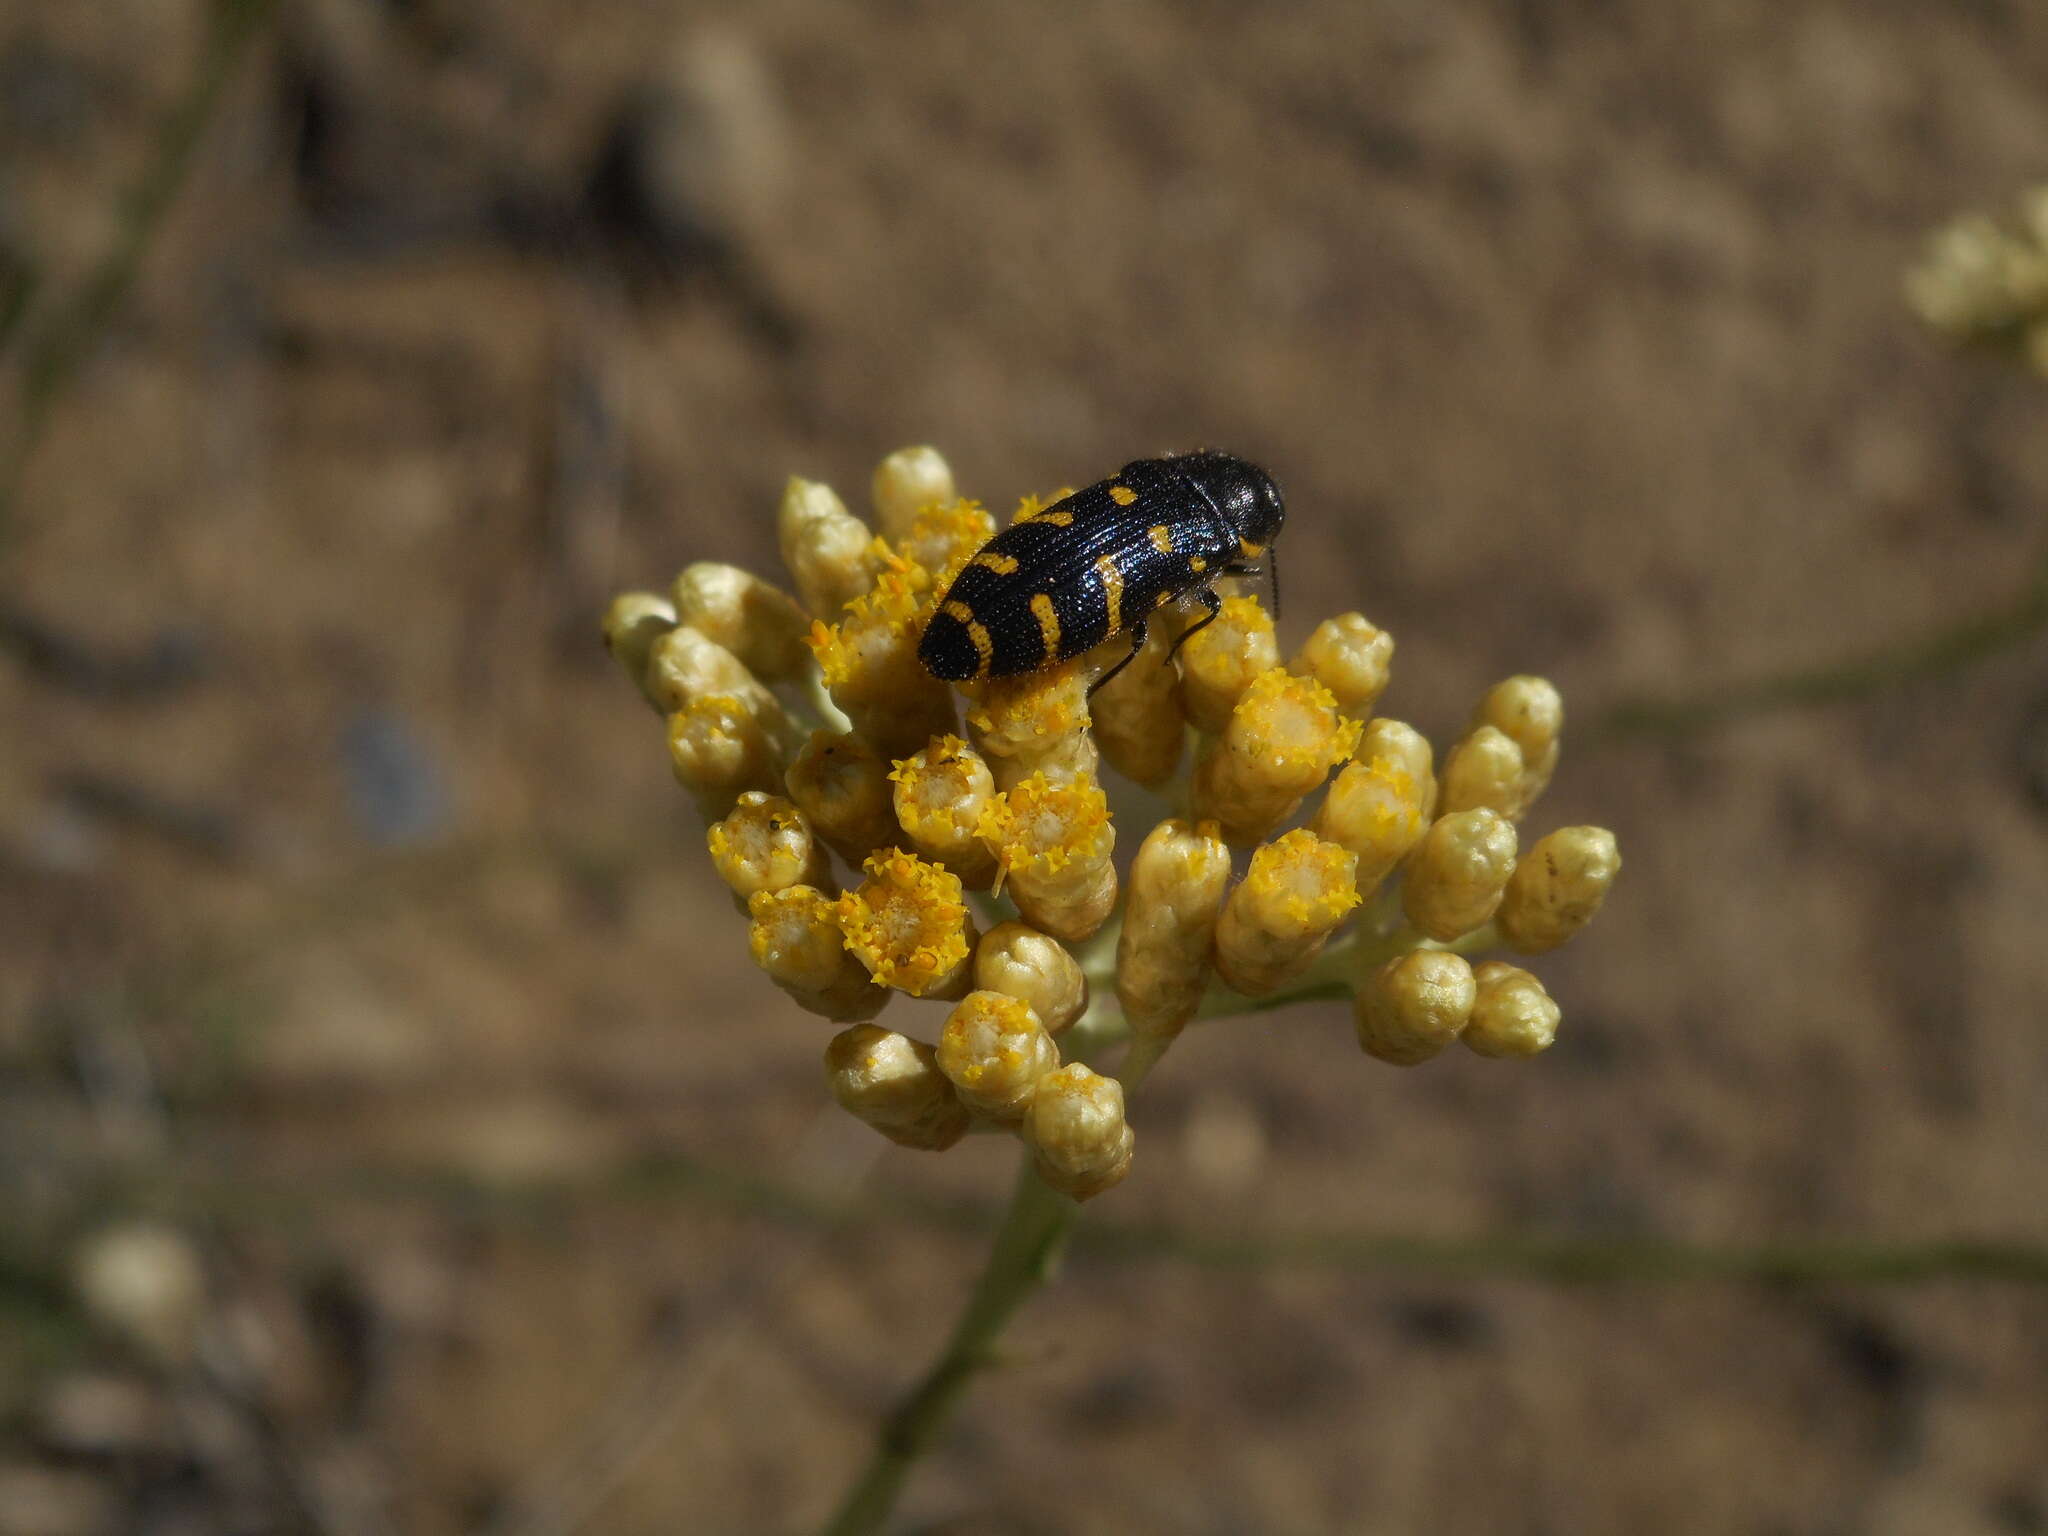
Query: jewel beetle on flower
[[1064, 578]]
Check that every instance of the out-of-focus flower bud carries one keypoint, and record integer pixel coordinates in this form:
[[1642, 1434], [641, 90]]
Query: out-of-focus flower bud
[[145, 1282], [842, 785], [1414, 1006], [1053, 842], [632, 623], [940, 795], [766, 845], [906, 482], [1220, 659], [758, 622], [908, 925], [1513, 1016], [1557, 888], [894, 1084], [1457, 873], [1299, 888], [1281, 740], [1350, 656], [796, 940], [994, 1050], [1077, 1131], [1162, 955], [1017, 960]]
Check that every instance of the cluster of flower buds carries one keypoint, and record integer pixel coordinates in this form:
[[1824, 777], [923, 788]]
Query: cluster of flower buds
[[871, 825], [1985, 281]]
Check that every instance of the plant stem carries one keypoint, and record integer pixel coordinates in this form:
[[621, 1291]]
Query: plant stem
[[1026, 1249]]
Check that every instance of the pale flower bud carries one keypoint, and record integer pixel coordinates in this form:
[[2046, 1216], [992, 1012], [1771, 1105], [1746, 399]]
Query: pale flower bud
[[1414, 1005], [758, 622], [1162, 956], [1016, 959], [1077, 1132], [796, 940], [1220, 659], [1530, 712], [1350, 656], [766, 845], [1485, 769], [829, 552], [994, 1050], [632, 623], [720, 749], [893, 1083], [1514, 1016], [906, 482], [1558, 887], [1457, 873], [1299, 888], [842, 786]]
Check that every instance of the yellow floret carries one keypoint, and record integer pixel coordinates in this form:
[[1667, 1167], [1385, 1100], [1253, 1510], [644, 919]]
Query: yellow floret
[[909, 926]]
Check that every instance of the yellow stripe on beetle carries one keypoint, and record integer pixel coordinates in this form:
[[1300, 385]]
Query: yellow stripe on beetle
[[1122, 495], [1112, 581], [1002, 565], [984, 648], [1048, 623]]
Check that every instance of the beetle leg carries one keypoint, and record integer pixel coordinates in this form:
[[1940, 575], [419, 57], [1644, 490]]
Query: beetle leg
[[1137, 645], [1211, 602]]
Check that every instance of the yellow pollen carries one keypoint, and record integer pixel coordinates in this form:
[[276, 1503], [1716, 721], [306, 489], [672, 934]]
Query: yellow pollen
[[1250, 550], [1002, 565], [1162, 600], [1048, 623], [1197, 563], [1161, 537], [1112, 581], [1122, 495]]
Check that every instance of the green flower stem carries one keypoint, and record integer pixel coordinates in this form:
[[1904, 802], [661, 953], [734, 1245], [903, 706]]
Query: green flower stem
[[1026, 1250]]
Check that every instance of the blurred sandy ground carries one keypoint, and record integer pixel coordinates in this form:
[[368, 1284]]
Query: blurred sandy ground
[[353, 930]]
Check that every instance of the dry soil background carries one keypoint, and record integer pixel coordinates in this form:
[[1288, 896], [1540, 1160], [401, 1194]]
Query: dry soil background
[[352, 925]]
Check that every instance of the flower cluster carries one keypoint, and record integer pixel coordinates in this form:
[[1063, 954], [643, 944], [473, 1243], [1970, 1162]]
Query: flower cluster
[[1986, 281], [884, 840]]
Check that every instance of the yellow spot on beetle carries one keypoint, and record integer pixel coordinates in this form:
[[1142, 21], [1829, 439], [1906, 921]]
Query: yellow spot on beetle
[[1250, 550], [1161, 537], [984, 648], [1112, 581], [1122, 495], [958, 610], [1197, 563], [1162, 600], [1048, 623], [1002, 565]]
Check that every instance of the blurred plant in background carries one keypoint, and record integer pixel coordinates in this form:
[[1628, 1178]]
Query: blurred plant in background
[[805, 727], [1984, 281]]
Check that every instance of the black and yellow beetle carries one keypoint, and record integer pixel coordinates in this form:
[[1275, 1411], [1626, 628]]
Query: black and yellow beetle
[[1100, 562]]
